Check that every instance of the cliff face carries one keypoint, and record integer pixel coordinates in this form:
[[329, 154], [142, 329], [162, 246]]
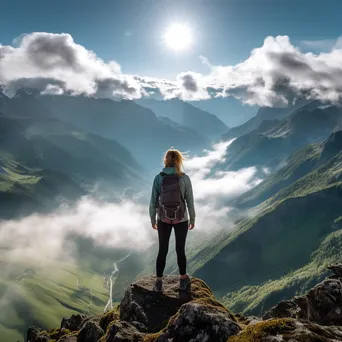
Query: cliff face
[[146, 316]]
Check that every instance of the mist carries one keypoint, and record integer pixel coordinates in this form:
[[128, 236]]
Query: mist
[[125, 225]]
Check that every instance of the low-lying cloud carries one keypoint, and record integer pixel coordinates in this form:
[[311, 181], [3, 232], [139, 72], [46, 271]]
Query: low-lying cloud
[[125, 225], [275, 74], [117, 225], [212, 182]]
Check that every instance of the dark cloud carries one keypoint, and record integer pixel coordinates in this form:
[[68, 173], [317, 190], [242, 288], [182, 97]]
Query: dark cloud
[[38, 84], [53, 51], [189, 82], [109, 86]]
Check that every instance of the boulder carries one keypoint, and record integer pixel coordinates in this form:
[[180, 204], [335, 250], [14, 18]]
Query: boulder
[[322, 304], [68, 339], [288, 330], [73, 323], [90, 332], [200, 322], [122, 331], [35, 334], [149, 310]]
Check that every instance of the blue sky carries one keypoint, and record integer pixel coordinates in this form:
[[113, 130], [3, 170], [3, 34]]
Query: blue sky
[[130, 31], [286, 65]]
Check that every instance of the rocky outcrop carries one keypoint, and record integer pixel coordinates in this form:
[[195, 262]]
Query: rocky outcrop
[[73, 323], [146, 316], [199, 322], [322, 304], [288, 330]]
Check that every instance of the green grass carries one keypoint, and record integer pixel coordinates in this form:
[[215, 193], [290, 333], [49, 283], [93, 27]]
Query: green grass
[[45, 296], [254, 299], [269, 255]]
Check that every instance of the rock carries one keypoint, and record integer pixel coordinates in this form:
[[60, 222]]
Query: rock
[[199, 322], [288, 330], [35, 334], [151, 309], [336, 269], [109, 317], [322, 304], [73, 323], [90, 332], [68, 339], [122, 331]]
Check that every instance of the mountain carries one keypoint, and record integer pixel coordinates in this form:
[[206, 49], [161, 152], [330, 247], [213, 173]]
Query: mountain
[[268, 113], [186, 114], [282, 246], [131, 125], [228, 109], [274, 140], [41, 154], [146, 316], [295, 167]]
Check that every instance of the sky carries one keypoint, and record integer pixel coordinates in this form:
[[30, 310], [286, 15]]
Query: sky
[[130, 31], [261, 52]]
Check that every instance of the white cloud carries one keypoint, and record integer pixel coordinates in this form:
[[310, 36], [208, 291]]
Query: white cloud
[[213, 186], [43, 236], [274, 74], [59, 60]]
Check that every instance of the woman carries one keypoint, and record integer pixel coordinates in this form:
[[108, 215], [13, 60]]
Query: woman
[[173, 164]]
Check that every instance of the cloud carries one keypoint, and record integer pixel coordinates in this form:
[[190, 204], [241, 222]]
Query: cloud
[[275, 74], [52, 60], [213, 187], [278, 72], [45, 236], [124, 225]]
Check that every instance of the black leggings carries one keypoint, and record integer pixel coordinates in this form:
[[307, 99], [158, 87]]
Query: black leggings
[[164, 233]]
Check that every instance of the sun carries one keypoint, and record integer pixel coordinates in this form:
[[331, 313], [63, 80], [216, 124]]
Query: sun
[[178, 36]]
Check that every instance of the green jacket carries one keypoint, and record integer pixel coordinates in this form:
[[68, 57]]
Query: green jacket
[[186, 191]]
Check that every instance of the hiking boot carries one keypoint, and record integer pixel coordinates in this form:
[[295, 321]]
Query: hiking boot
[[184, 283], [158, 286]]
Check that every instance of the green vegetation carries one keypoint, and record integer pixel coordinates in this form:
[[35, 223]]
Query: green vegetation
[[258, 331], [43, 295], [280, 250]]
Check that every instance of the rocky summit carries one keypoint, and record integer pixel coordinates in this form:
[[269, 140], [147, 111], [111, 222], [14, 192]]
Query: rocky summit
[[147, 316]]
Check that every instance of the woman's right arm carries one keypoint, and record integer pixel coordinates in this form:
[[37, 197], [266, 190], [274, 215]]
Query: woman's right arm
[[189, 198], [154, 200]]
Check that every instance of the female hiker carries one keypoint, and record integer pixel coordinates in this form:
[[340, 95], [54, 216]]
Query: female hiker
[[171, 196]]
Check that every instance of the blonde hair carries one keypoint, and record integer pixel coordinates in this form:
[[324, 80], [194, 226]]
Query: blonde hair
[[174, 158]]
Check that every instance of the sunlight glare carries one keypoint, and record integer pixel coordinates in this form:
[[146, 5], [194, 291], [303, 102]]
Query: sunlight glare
[[178, 36]]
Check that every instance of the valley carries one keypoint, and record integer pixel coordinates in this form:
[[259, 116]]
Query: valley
[[274, 241]]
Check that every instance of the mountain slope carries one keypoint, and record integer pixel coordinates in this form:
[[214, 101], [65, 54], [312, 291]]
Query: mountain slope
[[135, 127], [296, 166], [185, 114], [268, 113], [273, 140], [280, 247], [49, 146]]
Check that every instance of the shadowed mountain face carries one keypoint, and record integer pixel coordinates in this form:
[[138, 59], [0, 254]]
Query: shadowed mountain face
[[274, 140], [42, 158], [267, 113], [133, 126], [187, 115]]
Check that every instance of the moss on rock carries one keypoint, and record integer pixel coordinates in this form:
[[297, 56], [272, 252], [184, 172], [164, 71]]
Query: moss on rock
[[256, 332]]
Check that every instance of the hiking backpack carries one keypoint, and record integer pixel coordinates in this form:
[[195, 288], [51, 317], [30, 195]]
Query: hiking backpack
[[171, 207]]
